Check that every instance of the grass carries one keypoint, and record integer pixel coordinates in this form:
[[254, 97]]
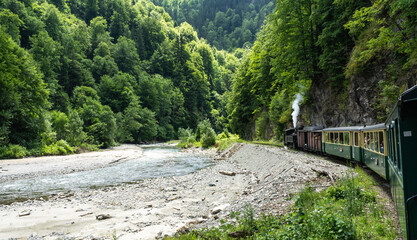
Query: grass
[[350, 209], [60, 147], [225, 143], [268, 143]]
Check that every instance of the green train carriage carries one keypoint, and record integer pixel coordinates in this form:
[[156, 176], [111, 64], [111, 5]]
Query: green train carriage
[[388, 149], [342, 142], [401, 127]]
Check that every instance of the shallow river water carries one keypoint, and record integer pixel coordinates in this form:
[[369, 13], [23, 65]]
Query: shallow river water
[[157, 161]]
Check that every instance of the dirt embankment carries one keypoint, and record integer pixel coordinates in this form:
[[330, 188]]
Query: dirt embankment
[[265, 177]]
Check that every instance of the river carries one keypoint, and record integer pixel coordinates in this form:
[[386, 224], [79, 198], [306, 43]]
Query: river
[[158, 160]]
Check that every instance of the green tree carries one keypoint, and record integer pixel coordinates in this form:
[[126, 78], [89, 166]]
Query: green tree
[[98, 32], [11, 23], [126, 56], [117, 91], [91, 10], [103, 62], [23, 95], [47, 53], [60, 123], [75, 136]]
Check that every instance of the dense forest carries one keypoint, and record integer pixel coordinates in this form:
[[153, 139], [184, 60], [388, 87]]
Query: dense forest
[[350, 60], [95, 73], [92, 73], [225, 24]]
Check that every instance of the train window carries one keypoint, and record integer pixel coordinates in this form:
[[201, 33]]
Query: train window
[[394, 149], [368, 141], [347, 138], [373, 141], [397, 145], [364, 139], [376, 141], [341, 140], [336, 137], [331, 137], [381, 142], [356, 137]]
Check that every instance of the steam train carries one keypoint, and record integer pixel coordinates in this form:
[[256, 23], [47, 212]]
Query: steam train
[[389, 149]]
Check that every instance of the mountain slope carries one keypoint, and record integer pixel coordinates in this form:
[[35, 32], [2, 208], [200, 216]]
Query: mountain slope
[[226, 24]]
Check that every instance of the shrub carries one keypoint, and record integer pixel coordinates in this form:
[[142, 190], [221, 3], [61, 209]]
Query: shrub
[[202, 128], [209, 138], [59, 148], [13, 151], [186, 137]]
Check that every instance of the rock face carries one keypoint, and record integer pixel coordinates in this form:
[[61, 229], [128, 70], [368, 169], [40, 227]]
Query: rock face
[[358, 104], [335, 106]]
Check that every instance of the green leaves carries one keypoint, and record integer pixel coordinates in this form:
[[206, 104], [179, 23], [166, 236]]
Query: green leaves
[[23, 94]]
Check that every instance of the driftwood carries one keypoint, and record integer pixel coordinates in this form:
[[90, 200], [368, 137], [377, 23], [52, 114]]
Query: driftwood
[[324, 174], [24, 213], [227, 173], [86, 214]]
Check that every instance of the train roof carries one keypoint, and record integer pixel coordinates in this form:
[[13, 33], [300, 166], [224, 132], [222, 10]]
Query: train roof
[[348, 129], [409, 95], [311, 129], [289, 129], [374, 127]]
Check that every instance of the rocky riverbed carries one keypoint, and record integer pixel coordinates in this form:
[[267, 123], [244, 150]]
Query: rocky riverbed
[[266, 177]]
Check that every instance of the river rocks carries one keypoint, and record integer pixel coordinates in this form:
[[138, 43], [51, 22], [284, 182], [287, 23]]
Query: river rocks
[[220, 208], [25, 213], [101, 217], [166, 204]]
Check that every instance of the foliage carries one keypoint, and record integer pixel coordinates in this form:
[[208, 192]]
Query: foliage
[[61, 147], [302, 43], [186, 137], [23, 95], [208, 138], [226, 24], [97, 72], [13, 151], [316, 215]]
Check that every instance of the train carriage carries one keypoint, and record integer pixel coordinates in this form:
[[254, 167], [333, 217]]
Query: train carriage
[[401, 128], [373, 145], [310, 138], [342, 142], [388, 149]]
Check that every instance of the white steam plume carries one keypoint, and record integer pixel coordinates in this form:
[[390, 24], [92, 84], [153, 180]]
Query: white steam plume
[[296, 107]]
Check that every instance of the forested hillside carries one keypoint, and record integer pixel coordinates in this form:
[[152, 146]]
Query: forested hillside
[[349, 60], [81, 73], [226, 24]]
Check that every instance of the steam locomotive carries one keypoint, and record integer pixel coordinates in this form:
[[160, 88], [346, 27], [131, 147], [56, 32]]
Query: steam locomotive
[[387, 148]]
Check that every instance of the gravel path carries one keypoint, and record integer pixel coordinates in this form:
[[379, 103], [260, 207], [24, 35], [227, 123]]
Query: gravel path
[[264, 176]]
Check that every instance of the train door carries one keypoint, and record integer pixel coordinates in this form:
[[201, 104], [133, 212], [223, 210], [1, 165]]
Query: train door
[[355, 144], [352, 148], [306, 140]]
